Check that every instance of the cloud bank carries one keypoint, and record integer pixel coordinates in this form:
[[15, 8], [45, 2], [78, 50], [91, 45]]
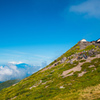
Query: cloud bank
[[90, 8], [17, 71]]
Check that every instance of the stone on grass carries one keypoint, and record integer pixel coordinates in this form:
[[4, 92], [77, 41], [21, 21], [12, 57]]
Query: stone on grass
[[62, 87]]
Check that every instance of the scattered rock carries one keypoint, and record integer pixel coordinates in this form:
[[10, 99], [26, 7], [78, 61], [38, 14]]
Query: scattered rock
[[69, 74], [55, 64], [71, 61], [84, 70], [77, 68], [32, 87], [46, 86], [91, 66], [44, 83], [36, 84], [61, 87], [40, 81], [14, 84], [81, 74], [13, 98], [63, 59], [94, 68], [68, 61]]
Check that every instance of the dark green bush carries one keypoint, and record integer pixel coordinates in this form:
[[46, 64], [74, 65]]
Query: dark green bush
[[83, 60]]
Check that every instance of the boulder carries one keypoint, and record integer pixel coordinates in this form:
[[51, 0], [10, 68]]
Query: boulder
[[83, 44], [63, 59]]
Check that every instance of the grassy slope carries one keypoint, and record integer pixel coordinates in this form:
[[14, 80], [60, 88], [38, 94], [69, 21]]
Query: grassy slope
[[46, 85], [8, 83]]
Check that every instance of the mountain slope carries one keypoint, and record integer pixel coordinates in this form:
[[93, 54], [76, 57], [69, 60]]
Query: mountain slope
[[73, 76], [8, 83]]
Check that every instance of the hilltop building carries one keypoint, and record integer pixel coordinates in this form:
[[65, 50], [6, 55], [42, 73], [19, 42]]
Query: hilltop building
[[83, 41], [98, 41]]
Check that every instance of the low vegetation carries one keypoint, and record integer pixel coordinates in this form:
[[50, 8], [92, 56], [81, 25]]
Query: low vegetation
[[8, 83], [46, 85]]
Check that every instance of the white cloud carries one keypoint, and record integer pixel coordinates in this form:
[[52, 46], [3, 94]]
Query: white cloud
[[5, 71], [13, 62], [8, 72], [90, 8], [13, 71]]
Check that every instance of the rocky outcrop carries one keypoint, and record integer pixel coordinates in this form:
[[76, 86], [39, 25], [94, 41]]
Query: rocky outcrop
[[78, 67], [97, 44], [81, 74], [83, 45], [77, 56], [63, 60], [55, 64]]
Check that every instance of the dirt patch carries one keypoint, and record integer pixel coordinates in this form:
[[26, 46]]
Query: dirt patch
[[91, 66], [55, 64], [78, 67], [14, 84], [81, 74], [32, 87], [68, 75], [13, 98], [36, 84]]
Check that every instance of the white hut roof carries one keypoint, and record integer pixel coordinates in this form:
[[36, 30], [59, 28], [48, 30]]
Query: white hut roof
[[98, 40], [83, 40]]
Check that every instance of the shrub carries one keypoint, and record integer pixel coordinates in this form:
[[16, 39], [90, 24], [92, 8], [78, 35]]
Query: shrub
[[83, 60], [85, 65]]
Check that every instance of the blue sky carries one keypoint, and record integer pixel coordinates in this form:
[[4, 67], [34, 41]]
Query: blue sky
[[39, 31]]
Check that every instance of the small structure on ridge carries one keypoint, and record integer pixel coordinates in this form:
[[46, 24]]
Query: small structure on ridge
[[98, 41]]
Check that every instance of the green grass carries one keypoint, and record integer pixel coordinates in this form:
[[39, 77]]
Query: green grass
[[8, 83], [73, 85], [83, 60]]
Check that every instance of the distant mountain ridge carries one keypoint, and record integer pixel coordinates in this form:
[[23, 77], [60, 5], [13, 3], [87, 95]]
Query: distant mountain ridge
[[23, 65]]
